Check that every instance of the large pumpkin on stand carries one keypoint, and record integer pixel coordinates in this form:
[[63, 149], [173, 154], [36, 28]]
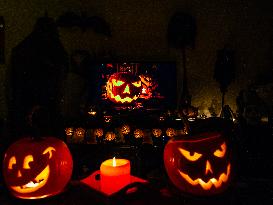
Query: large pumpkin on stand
[[199, 165], [37, 168], [123, 87]]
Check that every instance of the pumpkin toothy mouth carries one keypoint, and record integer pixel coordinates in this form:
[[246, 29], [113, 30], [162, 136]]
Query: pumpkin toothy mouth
[[122, 100], [207, 185], [39, 181]]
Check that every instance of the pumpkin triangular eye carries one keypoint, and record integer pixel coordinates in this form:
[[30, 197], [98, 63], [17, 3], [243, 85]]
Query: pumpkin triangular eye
[[117, 82], [221, 152], [192, 157], [12, 162], [137, 84]]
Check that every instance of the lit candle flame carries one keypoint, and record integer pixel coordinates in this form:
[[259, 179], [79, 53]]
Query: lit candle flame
[[114, 162]]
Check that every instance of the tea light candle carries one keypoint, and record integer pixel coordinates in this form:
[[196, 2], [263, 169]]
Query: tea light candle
[[114, 174]]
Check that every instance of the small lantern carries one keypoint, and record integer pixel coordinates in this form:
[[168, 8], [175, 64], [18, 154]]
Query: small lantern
[[138, 133], [79, 134], [157, 132], [69, 131], [110, 136], [171, 132], [107, 118], [98, 132], [125, 129]]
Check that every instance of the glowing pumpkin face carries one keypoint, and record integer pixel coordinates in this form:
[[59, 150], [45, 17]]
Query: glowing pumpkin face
[[200, 165], [123, 87], [34, 169]]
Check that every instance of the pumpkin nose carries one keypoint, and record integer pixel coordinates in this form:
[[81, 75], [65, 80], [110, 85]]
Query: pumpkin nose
[[127, 89], [19, 174], [208, 167]]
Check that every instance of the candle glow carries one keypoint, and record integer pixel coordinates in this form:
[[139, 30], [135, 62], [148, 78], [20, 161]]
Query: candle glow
[[114, 174]]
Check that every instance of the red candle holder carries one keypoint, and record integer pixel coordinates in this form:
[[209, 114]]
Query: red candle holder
[[113, 176]]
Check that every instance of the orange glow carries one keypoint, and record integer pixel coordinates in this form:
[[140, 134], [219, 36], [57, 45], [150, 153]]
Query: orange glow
[[32, 186], [12, 162], [188, 155], [207, 185], [208, 167], [27, 160], [221, 153]]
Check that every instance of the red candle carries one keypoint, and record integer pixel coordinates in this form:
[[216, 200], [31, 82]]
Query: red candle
[[114, 174]]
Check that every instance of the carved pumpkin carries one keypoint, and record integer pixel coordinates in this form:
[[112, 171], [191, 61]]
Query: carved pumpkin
[[98, 132], [110, 136], [79, 134], [171, 132], [138, 133], [199, 164], [157, 132], [125, 129], [69, 131], [37, 168], [123, 87]]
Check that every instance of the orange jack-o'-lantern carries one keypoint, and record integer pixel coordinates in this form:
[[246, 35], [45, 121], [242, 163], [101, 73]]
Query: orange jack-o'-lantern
[[200, 164], [171, 132], [98, 132], [37, 168], [157, 132], [110, 136], [125, 129], [123, 87]]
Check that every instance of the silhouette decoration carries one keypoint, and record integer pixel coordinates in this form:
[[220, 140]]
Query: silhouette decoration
[[181, 35], [224, 71], [38, 66]]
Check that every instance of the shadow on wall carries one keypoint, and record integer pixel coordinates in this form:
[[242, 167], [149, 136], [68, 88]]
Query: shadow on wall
[[38, 67]]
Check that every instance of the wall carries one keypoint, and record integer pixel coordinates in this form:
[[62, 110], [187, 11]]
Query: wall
[[139, 31]]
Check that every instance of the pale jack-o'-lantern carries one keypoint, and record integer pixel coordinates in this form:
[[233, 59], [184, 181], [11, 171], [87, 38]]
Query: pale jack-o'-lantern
[[37, 168], [123, 87], [199, 165]]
